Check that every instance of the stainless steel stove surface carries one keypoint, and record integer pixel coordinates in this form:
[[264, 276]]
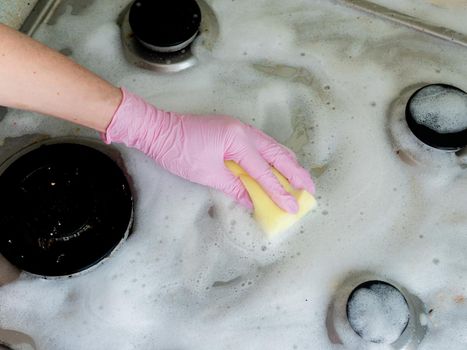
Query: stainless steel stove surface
[[381, 264]]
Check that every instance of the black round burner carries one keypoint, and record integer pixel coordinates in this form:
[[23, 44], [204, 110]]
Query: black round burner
[[377, 312], [64, 207], [431, 117], [165, 25]]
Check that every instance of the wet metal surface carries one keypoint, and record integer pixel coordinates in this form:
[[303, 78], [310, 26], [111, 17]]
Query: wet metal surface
[[339, 327], [10, 339], [14, 12], [3, 112], [40, 14], [409, 21]]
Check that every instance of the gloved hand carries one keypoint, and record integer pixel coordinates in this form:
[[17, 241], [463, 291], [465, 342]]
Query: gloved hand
[[195, 148]]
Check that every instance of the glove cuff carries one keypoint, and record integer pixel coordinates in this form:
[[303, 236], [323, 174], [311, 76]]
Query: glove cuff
[[140, 125], [124, 118]]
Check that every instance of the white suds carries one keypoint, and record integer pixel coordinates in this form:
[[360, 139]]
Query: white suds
[[440, 109], [197, 273], [379, 313]]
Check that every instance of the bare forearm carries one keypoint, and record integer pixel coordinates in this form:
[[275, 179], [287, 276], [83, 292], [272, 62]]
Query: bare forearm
[[36, 78]]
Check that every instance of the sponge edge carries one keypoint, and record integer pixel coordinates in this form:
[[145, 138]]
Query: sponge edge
[[271, 218]]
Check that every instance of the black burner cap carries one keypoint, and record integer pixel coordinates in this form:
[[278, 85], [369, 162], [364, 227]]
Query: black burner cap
[[449, 141], [64, 208], [165, 25]]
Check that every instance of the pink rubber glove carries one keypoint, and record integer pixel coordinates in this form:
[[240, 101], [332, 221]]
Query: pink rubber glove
[[195, 148]]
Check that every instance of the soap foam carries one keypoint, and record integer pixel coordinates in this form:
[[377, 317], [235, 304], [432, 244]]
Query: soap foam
[[198, 273], [378, 313], [441, 109]]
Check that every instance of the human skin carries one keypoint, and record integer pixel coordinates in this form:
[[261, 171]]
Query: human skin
[[36, 78]]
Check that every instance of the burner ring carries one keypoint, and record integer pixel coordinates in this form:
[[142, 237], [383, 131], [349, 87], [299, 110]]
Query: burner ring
[[448, 141], [169, 62], [65, 207], [342, 330], [166, 25]]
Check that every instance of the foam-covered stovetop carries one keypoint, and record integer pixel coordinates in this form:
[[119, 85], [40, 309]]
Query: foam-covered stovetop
[[197, 273]]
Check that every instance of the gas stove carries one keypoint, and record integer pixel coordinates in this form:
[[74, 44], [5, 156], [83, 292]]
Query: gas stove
[[374, 110], [159, 35]]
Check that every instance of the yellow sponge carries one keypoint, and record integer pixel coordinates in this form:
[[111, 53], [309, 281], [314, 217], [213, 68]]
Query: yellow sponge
[[272, 218]]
